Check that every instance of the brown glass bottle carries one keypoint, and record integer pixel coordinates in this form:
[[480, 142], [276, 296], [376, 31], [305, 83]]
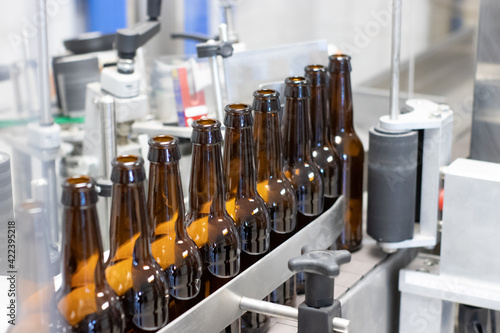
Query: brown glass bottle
[[131, 270], [272, 185], [85, 302], [171, 246], [324, 154], [35, 303], [299, 166], [243, 202], [208, 222], [350, 150]]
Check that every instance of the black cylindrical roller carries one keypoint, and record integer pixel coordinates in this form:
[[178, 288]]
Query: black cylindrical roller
[[392, 185]]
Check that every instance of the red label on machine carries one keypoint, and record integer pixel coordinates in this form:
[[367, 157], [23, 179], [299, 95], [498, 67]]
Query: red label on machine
[[193, 105]]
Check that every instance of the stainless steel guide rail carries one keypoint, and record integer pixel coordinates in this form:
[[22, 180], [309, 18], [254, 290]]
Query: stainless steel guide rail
[[223, 307]]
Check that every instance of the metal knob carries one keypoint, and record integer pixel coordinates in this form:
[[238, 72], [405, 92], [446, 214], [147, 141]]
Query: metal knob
[[341, 325]]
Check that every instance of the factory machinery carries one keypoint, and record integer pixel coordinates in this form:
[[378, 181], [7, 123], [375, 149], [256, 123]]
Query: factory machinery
[[428, 261]]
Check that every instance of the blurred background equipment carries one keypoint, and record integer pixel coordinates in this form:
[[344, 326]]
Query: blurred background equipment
[[83, 82]]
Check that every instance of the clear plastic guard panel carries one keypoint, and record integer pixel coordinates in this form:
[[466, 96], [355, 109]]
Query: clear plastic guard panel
[[247, 70], [180, 89]]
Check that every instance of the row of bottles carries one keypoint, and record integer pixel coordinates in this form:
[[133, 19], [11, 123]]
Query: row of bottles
[[272, 180]]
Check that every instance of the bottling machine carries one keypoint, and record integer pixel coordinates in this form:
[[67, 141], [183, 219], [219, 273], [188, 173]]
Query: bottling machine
[[428, 258]]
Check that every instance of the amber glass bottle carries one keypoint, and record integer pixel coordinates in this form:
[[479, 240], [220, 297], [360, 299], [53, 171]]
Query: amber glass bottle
[[299, 166], [35, 284], [324, 154], [172, 248], [85, 301], [243, 202], [350, 150], [209, 224], [272, 184], [131, 270]]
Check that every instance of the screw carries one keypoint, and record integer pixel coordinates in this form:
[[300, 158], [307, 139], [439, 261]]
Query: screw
[[430, 262]]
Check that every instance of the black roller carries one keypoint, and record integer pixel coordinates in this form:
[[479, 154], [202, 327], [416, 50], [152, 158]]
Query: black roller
[[392, 185]]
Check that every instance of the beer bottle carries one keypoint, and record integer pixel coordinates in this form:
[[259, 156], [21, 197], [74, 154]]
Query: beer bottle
[[172, 248], [243, 202], [33, 311], [299, 166], [324, 154], [85, 301], [349, 148], [209, 224], [131, 270], [272, 185]]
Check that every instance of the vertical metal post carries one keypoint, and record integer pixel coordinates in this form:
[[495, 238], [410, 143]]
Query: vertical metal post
[[224, 38], [396, 58], [108, 125], [43, 66], [214, 65], [109, 151], [411, 73]]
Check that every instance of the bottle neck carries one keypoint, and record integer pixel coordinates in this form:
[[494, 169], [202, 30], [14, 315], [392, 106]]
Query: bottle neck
[[129, 225], [82, 248], [319, 115], [267, 138], [341, 102], [206, 188], [296, 129], [166, 200], [239, 163]]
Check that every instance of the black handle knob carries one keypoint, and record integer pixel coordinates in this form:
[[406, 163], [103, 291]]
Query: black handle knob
[[320, 266], [322, 262]]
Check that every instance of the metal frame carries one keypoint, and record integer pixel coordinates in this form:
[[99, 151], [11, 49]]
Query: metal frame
[[261, 278]]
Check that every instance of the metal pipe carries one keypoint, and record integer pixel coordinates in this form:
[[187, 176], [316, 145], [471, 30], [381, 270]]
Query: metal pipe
[[396, 58], [49, 173], [224, 38], [229, 20], [268, 308], [411, 73], [108, 126], [43, 67], [214, 65]]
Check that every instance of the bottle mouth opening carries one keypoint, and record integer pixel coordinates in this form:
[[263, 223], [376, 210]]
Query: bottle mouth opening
[[297, 80], [80, 181], [163, 141], [315, 68], [266, 93], [206, 123], [238, 108], [130, 161], [340, 57]]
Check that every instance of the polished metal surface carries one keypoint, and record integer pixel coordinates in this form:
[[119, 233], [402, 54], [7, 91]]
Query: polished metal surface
[[268, 308], [108, 125], [395, 57], [43, 65], [261, 278], [485, 141]]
